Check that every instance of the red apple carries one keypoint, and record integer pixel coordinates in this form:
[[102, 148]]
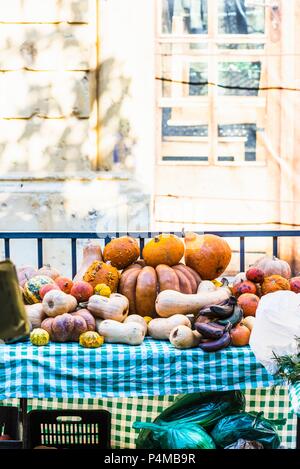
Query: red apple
[[82, 290], [45, 288], [243, 287], [255, 275], [295, 284], [64, 283]]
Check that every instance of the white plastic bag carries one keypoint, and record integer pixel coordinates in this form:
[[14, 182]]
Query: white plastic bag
[[276, 327]]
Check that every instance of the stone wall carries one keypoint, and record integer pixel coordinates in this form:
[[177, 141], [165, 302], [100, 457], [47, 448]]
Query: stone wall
[[65, 93]]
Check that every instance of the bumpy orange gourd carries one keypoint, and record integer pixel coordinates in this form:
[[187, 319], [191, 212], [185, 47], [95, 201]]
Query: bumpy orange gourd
[[274, 283], [101, 272], [208, 254], [165, 249], [121, 252]]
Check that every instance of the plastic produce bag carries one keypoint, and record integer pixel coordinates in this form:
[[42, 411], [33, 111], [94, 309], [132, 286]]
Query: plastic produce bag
[[14, 322], [249, 426], [276, 327], [178, 435], [245, 444], [205, 409]]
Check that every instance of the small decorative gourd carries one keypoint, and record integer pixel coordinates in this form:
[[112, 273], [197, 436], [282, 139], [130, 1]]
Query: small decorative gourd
[[102, 289], [32, 288], [91, 339], [39, 337]]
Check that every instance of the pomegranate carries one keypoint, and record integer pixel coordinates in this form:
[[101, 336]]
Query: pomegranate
[[243, 287], [255, 275], [64, 283], [248, 302], [295, 284], [82, 290]]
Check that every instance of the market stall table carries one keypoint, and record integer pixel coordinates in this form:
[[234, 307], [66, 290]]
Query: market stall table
[[155, 368]]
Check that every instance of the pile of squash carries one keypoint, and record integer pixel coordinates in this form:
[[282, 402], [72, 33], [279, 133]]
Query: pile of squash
[[171, 293]]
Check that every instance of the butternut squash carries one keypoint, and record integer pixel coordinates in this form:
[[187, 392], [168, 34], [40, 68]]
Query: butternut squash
[[115, 332], [135, 318], [160, 328], [170, 302], [91, 253], [56, 302], [115, 307], [183, 337]]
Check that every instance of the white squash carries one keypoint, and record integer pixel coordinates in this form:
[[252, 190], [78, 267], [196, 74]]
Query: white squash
[[170, 302], [183, 337], [160, 328], [116, 332]]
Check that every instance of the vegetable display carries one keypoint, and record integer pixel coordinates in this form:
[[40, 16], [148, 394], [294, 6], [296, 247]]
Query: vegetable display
[[173, 293]]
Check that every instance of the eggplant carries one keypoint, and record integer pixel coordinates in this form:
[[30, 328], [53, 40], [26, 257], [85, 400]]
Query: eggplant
[[215, 345], [210, 330], [234, 319]]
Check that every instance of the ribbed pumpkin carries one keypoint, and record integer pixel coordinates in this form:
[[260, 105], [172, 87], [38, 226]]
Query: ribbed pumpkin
[[141, 285], [32, 288], [121, 252], [273, 266], [102, 272], [165, 249], [208, 254], [274, 283]]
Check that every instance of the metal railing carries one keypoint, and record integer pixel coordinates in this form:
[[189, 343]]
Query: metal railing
[[141, 236]]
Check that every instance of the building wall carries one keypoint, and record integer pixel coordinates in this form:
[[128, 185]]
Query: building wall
[[75, 154]]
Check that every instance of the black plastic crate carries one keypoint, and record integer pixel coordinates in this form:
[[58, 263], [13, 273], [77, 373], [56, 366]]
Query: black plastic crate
[[69, 429], [10, 425]]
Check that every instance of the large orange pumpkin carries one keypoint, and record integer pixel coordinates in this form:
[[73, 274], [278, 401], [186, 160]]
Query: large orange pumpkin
[[208, 254], [273, 266], [274, 283], [121, 252], [141, 285], [165, 249], [101, 272]]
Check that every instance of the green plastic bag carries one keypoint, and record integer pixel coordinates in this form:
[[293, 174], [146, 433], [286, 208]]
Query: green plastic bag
[[249, 426], [204, 409], [178, 435]]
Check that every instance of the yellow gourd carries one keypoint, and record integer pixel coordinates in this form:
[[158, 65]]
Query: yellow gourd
[[91, 339], [102, 289], [39, 337]]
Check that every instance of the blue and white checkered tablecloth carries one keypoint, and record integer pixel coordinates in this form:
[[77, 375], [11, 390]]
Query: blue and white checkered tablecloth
[[154, 368]]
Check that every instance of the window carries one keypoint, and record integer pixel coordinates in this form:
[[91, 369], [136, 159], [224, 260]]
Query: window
[[210, 68]]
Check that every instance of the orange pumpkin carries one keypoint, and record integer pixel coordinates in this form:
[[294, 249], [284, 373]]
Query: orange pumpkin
[[121, 252], [208, 254], [141, 285], [101, 272], [165, 249], [273, 266], [274, 283]]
